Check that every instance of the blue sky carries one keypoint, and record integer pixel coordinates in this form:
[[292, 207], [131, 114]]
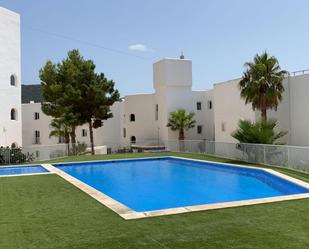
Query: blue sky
[[219, 36]]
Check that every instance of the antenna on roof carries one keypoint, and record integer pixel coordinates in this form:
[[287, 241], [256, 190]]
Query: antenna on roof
[[182, 57]]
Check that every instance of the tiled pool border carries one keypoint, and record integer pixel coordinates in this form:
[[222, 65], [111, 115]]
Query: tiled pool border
[[129, 214]]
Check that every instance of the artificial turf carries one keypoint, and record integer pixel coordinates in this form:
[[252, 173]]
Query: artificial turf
[[48, 212]]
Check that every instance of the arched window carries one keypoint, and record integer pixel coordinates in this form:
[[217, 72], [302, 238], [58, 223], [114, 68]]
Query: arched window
[[133, 140], [13, 114], [14, 145], [132, 117], [13, 80]]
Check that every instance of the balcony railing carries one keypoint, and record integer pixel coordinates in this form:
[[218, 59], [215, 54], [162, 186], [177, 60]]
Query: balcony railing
[[300, 72]]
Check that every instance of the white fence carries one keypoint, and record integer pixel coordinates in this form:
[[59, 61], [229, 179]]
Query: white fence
[[277, 155], [47, 152]]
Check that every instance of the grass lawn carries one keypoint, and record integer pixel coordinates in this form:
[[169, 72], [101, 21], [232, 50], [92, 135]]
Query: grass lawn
[[48, 212]]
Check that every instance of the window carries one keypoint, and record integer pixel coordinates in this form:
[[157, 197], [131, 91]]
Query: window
[[199, 129], [223, 127], [199, 106], [13, 80], [13, 114], [209, 105], [61, 140], [84, 133], [157, 112], [14, 145], [36, 115], [133, 140], [37, 136], [124, 132], [132, 117]]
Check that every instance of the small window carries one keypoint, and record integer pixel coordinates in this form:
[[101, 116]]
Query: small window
[[133, 140], [13, 114], [199, 106], [13, 80], [124, 132], [14, 145], [61, 140], [157, 112], [209, 105], [132, 117], [84, 133], [36, 115], [199, 129], [223, 127], [37, 136]]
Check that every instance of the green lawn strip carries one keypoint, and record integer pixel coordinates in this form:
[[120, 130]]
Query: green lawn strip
[[48, 212]]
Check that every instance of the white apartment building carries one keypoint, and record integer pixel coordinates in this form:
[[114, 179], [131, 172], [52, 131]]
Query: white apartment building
[[142, 118], [139, 118], [10, 79], [292, 113]]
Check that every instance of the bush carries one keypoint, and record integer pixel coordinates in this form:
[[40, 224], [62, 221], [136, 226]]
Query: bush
[[13, 156]]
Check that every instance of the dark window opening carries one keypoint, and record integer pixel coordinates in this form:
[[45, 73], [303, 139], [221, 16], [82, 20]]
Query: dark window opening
[[209, 105], [84, 133], [199, 129], [132, 118], [199, 106], [37, 136], [36, 116], [133, 140], [157, 112], [13, 80], [13, 114]]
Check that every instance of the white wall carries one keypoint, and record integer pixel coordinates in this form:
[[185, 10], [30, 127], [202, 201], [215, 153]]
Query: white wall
[[173, 90], [299, 106], [10, 96], [109, 134], [282, 114], [204, 117], [144, 128], [229, 108]]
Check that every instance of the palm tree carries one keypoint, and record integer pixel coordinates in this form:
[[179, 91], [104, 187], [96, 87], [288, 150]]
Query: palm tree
[[261, 84], [261, 132], [180, 120], [61, 129]]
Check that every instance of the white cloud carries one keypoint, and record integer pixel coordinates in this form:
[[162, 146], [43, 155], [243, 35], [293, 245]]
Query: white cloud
[[139, 47]]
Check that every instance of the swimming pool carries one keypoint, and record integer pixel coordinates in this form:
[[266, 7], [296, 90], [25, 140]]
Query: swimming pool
[[21, 170], [164, 183]]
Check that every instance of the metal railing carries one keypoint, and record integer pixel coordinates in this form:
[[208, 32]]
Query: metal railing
[[293, 157], [300, 72]]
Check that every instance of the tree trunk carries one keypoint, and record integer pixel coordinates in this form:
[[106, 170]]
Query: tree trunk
[[67, 140], [181, 134], [181, 139], [91, 137], [73, 140], [264, 114]]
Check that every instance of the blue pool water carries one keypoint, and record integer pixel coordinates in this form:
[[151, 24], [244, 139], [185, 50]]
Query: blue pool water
[[152, 184], [20, 170]]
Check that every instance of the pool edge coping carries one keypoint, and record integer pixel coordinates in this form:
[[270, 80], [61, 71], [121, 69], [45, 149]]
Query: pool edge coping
[[129, 214]]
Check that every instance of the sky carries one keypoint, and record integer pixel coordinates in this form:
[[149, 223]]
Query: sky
[[125, 37]]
